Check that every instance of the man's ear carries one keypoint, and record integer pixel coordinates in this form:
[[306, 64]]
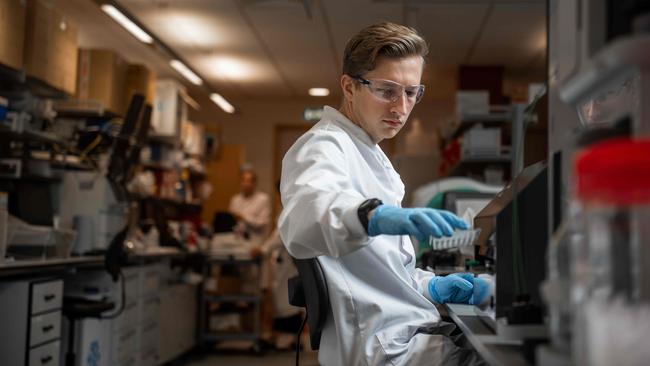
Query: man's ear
[[348, 85]]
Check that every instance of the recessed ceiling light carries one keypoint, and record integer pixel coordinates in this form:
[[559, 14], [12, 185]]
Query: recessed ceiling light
[[127, 23], [319, 92], [222, 103], [186, 72]]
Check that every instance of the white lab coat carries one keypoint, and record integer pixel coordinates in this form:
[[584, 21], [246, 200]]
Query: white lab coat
[[256, 212], [277, 269], [381, 310]]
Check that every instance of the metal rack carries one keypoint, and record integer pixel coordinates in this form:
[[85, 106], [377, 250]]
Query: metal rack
[[512, 115], [207, 336]]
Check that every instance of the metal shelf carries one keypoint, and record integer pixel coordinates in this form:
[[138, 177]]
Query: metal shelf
[[214, 337], [503, 117], [82, 109], [164, 140], [233, 298], [486, 159]]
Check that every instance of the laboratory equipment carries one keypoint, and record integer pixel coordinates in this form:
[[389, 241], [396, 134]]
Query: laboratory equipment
[[609, 263], [513, 236]]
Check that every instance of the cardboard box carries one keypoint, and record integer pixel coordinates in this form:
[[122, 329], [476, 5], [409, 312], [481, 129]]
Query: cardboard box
[[12, 32], [472, 102], [139, 79], [50, 52], [102, 76], [169, 108]]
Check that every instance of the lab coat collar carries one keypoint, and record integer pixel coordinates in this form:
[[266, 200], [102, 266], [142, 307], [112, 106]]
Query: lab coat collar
[[334, 115]]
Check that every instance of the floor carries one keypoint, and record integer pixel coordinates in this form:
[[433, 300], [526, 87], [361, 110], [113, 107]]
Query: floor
[[271, 358]]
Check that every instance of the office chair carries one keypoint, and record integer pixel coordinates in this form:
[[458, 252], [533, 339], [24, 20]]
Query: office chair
[[309, 290]]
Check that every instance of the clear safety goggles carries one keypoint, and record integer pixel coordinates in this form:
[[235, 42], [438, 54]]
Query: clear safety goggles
[[390, 91]]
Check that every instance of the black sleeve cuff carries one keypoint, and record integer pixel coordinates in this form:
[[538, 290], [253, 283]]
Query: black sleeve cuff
[[364, 208]]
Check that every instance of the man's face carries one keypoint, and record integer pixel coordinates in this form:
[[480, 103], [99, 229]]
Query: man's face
[[379, 118], [247, 183]]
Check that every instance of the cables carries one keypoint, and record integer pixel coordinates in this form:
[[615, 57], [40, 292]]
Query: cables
[[122, 300], [302, 326], [524, 117]]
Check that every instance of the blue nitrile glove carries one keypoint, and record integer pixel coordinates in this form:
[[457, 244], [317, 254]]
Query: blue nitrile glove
[[421, 222], [459, 288], [481, 291], [454, 288]]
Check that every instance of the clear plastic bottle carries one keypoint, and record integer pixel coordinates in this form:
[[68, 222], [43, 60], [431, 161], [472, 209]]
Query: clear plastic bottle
[[557, 287], [610, 261]]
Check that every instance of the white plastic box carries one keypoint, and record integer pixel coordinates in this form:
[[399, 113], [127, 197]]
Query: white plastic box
[[472, 102], [481, 142]]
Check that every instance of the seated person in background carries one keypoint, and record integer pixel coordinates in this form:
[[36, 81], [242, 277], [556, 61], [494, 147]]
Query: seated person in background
[[277, 268], [252, 209]]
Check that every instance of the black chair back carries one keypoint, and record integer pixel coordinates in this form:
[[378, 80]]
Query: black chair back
[[309, 290]]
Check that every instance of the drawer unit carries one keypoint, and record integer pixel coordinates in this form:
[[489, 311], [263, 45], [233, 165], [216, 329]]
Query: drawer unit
[[149, 337], [131, 286], [44, 327], [30, 322], [47, 296], [149, 310], [149, 281], [128, 318], [128, 361], [124, 344], [45, 355], [149, 358]]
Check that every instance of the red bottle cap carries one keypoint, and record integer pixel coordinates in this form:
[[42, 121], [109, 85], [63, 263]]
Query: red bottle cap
[[615, 172]]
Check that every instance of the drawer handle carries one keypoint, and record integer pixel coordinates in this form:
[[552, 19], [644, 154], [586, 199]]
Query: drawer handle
[[49, 297], [46, 359], [47, 328]]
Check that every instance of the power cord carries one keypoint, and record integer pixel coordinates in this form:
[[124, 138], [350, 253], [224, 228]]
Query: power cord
[[122, 300], [302, 326]]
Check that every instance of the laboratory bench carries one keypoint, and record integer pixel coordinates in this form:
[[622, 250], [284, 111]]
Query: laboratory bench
[[494, 350], [157, 322], [31, 267]]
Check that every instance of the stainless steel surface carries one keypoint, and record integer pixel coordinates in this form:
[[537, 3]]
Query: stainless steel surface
[[493, 349]]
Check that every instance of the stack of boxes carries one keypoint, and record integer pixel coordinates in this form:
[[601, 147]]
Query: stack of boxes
[[37, 39], [12, 33], [50, 50], [106, 78]]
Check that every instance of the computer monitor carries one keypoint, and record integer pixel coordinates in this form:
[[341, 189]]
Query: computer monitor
[[520, 264]]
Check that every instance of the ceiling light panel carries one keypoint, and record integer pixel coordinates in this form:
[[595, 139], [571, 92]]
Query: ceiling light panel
[[127, 23], [222, 103], [319, 92], [186, 72]]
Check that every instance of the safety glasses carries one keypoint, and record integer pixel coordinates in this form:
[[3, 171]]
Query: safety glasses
[[390, 91]]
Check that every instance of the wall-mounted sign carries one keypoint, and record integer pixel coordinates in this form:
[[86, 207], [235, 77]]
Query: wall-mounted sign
[[313, 114]]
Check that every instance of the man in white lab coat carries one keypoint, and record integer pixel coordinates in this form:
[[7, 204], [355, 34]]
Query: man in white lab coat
[[342, 204], [252, 209]]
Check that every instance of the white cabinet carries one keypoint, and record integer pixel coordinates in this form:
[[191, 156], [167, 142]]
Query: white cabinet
[[30, 334], [177, 320], [169, 109]]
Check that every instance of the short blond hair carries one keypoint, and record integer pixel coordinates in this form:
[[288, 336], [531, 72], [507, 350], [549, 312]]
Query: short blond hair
[[383, 39]]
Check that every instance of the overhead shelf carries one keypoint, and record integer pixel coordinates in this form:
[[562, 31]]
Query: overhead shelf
[[486, 159], [503, 117], [77, 108], [165, 140], [13, 80]]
